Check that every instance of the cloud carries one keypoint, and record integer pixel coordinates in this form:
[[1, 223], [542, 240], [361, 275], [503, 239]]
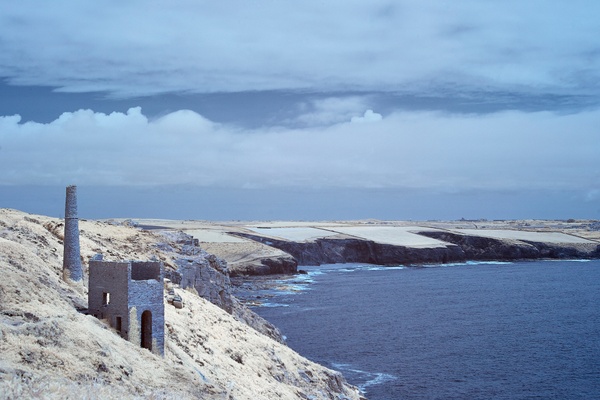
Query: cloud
[[504, 151], [140, 48], [369, 116], [328, 111]]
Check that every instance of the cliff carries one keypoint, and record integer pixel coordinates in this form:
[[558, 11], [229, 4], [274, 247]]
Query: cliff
[[476, 247], [50, 349], [342, 249], [454, 247], [192, 268], [276, 247]]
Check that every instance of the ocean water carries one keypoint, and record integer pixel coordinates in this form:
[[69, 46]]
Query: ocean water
[[522, 330]]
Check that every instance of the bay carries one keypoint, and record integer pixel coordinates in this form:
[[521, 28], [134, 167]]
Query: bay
[[522, 330]]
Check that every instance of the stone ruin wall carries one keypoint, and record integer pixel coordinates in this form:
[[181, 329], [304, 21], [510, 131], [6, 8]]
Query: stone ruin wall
[[111, 277], [129, 297], [147, 293]]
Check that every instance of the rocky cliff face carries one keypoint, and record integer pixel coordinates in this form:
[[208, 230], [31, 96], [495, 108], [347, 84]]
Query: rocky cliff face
[[459, 247], [252, 258], [484, 248], [195, 268], [208, 276], [270, 265], [340, 249]]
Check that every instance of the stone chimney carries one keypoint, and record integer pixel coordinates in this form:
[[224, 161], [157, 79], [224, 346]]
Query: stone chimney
[[72, 270]]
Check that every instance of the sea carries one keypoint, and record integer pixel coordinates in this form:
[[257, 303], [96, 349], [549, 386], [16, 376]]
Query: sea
[[475, 330]]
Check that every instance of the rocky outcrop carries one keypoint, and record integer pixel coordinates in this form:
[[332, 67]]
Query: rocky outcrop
[[252, 258], [208, 276], [285, 264]]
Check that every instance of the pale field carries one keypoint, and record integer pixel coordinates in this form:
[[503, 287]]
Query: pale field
[[213, 236], [294, 224], [216, 236], [297, 234], [396, 235], [544, 237]]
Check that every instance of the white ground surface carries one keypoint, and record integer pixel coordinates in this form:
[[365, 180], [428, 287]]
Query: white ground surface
[[209, 236], [298, 234], [397, 235], [392, 232], [293, 224], [549, 237]]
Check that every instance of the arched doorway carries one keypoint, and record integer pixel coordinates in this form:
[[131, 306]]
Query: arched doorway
[[147, 330]]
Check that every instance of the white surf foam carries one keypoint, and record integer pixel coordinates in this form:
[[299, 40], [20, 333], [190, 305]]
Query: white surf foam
[[369, 378]]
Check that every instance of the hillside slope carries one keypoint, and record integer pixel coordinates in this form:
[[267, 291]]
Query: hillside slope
[[49, 349]]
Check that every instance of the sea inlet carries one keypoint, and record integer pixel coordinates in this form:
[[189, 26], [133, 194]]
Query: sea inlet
[[487, 330]]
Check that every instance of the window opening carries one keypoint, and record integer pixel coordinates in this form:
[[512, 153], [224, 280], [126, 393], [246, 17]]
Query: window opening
[[105, 298]]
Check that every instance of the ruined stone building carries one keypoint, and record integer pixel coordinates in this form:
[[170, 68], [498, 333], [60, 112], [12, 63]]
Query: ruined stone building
[[129, 294]]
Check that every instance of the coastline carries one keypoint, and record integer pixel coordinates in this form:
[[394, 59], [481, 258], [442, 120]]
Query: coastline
[[276, 247]]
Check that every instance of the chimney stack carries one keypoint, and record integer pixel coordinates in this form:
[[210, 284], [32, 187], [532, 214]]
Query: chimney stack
[[72, 270]]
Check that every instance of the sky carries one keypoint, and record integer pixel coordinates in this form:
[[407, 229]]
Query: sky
[[302, 110]]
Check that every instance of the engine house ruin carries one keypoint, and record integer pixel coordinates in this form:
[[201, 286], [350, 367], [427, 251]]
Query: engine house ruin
[[129, 295]]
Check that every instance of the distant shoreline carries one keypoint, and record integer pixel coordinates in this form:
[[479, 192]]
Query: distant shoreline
[[273, 247]]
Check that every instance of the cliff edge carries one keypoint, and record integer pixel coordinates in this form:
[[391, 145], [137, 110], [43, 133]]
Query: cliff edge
[[278, 247], [388, 244]]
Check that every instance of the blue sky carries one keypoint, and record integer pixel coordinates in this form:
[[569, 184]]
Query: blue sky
[[323, 103]]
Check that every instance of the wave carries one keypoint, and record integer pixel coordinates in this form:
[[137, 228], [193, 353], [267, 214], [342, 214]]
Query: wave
[[350, 267], [300, 283], [369, 378], [271, 305], [383, 268], [293, 285], [463, 263]]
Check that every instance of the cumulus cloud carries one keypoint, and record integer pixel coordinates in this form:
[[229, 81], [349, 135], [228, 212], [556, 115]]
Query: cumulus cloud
[[330, 110], [139, 47], [368, 116], [510, 150]]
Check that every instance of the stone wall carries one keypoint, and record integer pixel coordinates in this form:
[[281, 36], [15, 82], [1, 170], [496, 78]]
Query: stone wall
[[141, 270], [147, 295], [129, 298], [112, 278]]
